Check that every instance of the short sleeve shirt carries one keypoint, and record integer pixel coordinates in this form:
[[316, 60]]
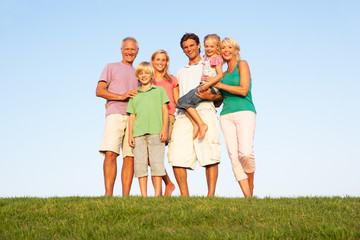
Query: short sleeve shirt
[[209, 66], [189, 78], [147, 107], [169, 88], [120, 79]]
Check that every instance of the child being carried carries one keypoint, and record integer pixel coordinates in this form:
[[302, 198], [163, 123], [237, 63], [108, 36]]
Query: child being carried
[[212, 73]]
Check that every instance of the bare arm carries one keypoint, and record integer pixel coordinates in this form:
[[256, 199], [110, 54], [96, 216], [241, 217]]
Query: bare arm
[[212, 80], [101, 91], [243, 88], [165, 117], [131, 129], [176, 94], [207, 95]]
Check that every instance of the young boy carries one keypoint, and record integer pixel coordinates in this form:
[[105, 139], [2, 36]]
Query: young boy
[[148, 125]]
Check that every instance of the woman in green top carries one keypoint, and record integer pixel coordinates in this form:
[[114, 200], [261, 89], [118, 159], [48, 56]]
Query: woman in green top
[[237, 117]]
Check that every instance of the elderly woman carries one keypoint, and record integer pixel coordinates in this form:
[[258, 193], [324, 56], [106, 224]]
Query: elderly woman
[[237, 117]]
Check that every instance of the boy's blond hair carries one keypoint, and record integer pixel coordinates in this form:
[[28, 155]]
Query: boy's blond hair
[[144, 67]]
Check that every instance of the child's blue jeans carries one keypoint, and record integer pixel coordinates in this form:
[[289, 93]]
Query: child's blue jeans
[[191, 99]]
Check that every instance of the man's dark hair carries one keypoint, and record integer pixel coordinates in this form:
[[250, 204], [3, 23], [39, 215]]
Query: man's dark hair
[[188, 36]]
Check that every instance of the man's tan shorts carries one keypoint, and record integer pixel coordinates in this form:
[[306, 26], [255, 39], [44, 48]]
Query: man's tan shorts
[[184, 151], [116, 135]]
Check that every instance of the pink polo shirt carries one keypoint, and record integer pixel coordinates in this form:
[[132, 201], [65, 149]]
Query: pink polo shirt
[[169, 88]]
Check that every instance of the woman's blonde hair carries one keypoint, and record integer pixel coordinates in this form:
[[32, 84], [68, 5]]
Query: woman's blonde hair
[[165, 73], [144, 67], [234, 44], [215, 39]]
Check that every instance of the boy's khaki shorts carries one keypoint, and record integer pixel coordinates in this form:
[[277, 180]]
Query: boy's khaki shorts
[[148, 148], [116, 135]]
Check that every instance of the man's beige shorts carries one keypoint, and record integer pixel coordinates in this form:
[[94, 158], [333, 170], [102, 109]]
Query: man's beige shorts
[[184, 151], [116, 135]]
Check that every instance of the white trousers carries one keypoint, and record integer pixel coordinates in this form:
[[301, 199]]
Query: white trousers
[[239, 132]]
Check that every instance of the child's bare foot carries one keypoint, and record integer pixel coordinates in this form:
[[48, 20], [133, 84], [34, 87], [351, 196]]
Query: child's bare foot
[[169, 188], [202, 131], [195, 131]]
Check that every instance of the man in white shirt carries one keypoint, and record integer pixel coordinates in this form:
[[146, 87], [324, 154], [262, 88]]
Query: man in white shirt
[[184, 151]]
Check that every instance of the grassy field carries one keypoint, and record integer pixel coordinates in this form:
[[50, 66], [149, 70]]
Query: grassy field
[[179, 218]]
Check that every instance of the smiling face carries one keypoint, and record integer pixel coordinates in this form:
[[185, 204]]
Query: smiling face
[[129, 51], [145, 73], [211, 48], [191, 49], [228, 52], [145, 77], [160, 62]]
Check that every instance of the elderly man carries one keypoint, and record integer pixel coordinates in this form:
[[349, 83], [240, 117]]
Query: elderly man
[[117, 84]]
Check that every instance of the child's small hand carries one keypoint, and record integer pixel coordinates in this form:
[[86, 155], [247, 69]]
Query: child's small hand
[[204, 87], [207, 95], [208, 78], [131, 141], [163, 135]]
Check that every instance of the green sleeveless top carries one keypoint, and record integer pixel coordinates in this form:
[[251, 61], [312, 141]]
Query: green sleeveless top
[[233, 102]]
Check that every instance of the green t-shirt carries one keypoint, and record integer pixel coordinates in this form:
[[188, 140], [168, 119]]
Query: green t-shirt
[[147, 106], [233, 102]]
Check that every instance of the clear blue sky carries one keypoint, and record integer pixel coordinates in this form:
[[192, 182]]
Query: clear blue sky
[[304, 61]]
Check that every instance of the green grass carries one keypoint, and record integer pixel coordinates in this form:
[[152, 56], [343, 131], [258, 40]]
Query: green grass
[[180, 218]]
